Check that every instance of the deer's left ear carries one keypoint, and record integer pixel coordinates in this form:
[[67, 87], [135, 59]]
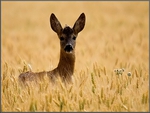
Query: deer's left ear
[[79, 24], [55, 24]]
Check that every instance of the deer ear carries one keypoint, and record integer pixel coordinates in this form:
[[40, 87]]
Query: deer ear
[[79, 24], [55, 24]]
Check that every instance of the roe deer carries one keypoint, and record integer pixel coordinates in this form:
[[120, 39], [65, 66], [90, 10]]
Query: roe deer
[[65, 67]]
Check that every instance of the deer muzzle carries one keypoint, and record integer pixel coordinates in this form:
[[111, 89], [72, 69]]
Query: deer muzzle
[[68, 48]]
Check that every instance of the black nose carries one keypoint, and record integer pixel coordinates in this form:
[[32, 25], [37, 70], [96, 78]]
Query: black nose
[[68, 48]]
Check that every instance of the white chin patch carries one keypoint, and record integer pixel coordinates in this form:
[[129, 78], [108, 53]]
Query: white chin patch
[[68, 52]]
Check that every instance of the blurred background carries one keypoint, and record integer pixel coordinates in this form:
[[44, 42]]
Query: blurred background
[[115, 34]]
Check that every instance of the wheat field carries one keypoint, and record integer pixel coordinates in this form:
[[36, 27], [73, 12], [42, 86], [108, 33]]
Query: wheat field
[[112, 55]]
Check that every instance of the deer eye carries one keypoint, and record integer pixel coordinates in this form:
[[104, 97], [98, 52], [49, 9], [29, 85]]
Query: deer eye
[[61, 38], [74, 38]]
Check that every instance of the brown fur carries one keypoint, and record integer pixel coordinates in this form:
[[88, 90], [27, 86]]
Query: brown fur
[[65, 68]]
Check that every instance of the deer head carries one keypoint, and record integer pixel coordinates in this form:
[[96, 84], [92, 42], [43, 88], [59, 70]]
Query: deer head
[[67, 35]]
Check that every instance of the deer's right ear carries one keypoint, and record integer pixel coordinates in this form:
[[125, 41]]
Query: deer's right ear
[[55, 24], [79, 24]]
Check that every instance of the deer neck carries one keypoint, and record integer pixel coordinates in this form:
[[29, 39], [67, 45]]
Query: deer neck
[[66, 63]]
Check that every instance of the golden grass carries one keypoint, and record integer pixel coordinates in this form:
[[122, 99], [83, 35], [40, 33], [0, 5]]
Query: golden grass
[[115, 37]]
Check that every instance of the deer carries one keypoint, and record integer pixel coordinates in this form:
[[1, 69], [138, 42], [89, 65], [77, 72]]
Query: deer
[[66, 65]]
